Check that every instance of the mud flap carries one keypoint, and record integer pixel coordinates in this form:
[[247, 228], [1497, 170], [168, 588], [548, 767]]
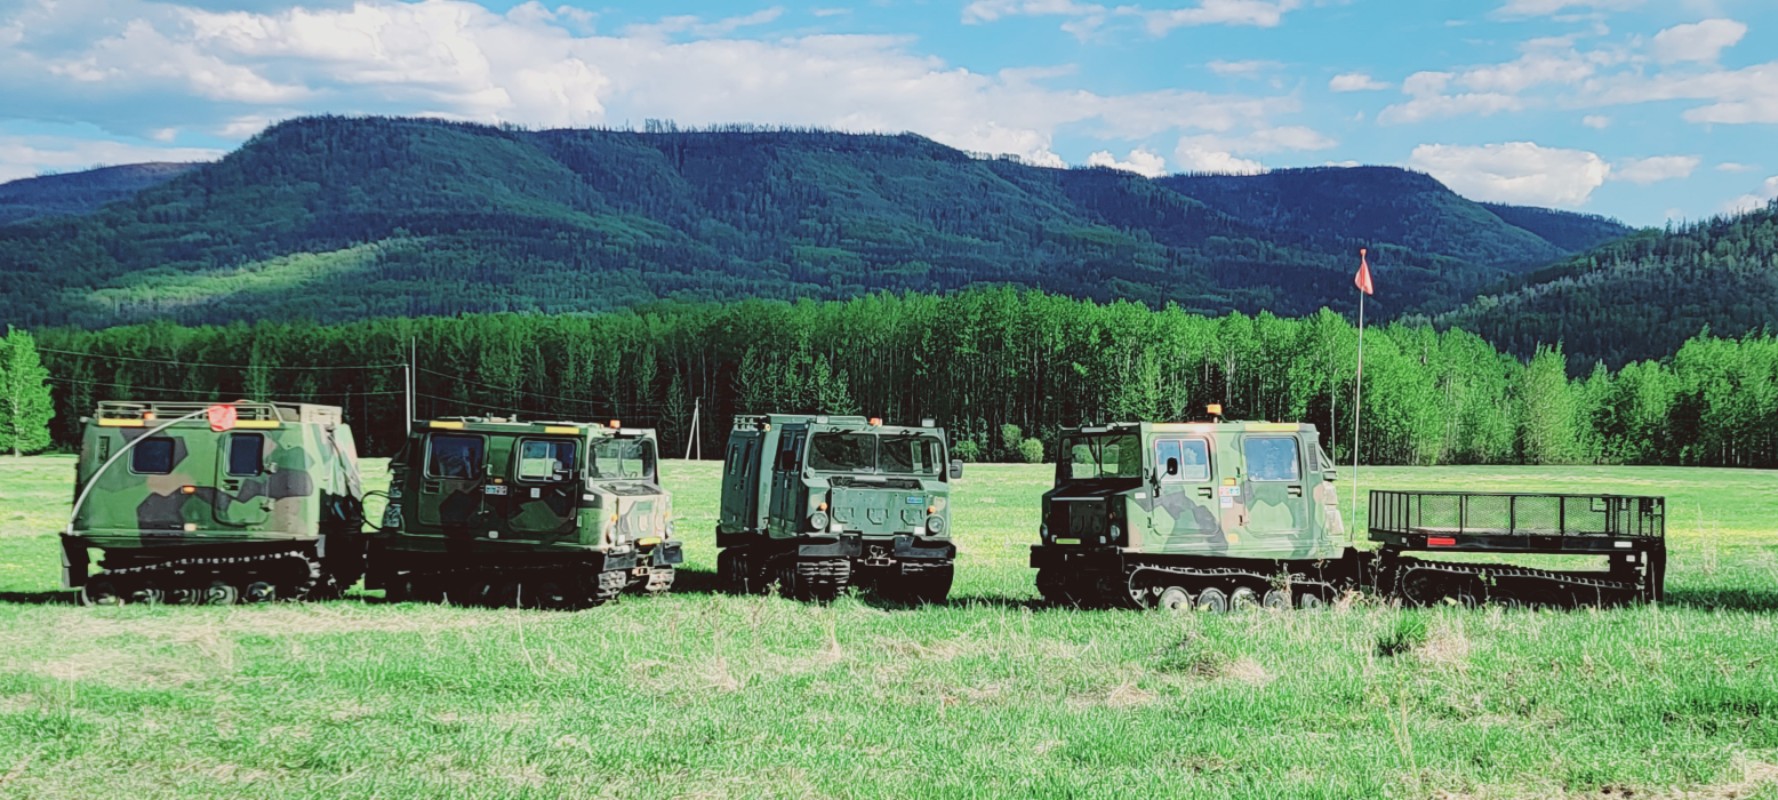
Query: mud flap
[[74, 563]]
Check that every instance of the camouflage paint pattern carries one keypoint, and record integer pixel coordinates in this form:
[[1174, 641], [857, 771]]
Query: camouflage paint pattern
[[1255, 498], [305, 482], [502, 507], [760, 498]]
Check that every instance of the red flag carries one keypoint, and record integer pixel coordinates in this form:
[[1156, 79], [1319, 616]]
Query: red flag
[[1363, 278], [222, 417]]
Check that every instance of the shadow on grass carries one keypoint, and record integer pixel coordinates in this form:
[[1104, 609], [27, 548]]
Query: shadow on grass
[[1731, 599], [37, 598]]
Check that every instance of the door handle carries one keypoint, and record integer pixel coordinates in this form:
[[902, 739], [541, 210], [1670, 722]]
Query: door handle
[[1295, 491], [431, 486], [1204, 491]]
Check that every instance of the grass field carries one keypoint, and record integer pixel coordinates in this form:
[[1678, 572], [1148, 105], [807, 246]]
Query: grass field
[[699, 695]]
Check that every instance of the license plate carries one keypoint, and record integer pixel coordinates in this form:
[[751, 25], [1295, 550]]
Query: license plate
[[494, 488]]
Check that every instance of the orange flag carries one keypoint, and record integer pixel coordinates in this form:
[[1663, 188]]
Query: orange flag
[[1363, 279]]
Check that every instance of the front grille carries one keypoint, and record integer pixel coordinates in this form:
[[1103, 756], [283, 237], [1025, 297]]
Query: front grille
[[1077, 518]]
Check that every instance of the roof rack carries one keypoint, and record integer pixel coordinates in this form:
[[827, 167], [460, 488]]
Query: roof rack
[[244, 409]]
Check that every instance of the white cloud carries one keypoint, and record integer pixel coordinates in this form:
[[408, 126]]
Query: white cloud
[[1597, 122], [1242, 69], [1733, 97], [1735, 167], [1755, 200], [1699, 41], [233, 72], [1355, 82], [1644, 171], [1538, 8], [991, 10], [1514, 172], [1256, 13], [1197, 158], [1141, 162], [25, 156], [696, 26]]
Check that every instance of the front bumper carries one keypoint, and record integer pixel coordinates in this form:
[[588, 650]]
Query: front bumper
[[1077, 557], [900, 547]]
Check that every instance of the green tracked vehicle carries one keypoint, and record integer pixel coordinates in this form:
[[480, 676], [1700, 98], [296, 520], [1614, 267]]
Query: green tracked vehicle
[[1211, 515], [200, 503], [501, 512], [817, 503]]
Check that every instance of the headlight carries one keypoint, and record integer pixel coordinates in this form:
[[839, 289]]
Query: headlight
[[1116, 533], [936, 524], [1043, 531], [669, 529], [818, 520]]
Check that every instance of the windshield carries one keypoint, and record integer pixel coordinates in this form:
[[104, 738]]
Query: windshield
[[615, 459], [1105, 455], [890, 454]]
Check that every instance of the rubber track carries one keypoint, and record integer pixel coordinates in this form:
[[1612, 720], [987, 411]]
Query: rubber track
[[611, 583], [823, 578], [1407, 566], [220, 566]]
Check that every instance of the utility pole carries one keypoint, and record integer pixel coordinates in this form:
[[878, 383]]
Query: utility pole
[[697, 405], [412, 363]]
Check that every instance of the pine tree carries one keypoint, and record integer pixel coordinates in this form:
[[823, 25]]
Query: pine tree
[[25, 404]]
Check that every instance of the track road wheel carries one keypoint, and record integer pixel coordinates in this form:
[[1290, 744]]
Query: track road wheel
[[261, 592], [1174, 598], [548, 593], [732, 571], [1212, 600], [100, 592], [221, 593], [1243, 599], [149, 595], [1276, 600], [1308, 601]]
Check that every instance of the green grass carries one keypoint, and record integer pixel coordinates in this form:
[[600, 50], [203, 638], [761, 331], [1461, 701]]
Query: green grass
[[700, 695]]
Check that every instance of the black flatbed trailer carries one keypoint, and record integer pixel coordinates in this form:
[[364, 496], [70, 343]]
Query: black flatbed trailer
[[1628, 531]]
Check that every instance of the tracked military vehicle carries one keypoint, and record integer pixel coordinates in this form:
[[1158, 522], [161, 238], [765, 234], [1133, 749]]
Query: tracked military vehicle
[[1226, 515], [197, 503], [816, 503], [498, 511], [1211, 515]]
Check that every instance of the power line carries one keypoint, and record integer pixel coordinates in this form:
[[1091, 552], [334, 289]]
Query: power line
[[540, 395], [168, 362], [140, 387]]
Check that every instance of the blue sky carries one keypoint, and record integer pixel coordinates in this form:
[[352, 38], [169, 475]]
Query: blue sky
[[1643, 110]]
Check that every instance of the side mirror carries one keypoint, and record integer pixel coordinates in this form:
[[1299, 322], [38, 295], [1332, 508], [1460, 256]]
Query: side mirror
[[956, 470], [1172, 466]]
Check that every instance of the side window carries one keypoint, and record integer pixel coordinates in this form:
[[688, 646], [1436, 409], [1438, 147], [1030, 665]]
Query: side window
[[786, 453], [546, 459], [1272, 459], [1166, 459], [246, 454], [455, 456], [1315, 459], [734, 457], [153, 456], [1195, 462]]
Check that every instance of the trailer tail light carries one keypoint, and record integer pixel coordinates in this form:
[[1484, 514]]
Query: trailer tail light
[[1441, 541]]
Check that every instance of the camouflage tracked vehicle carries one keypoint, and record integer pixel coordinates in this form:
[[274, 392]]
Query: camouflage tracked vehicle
[[547, 514], [1212, 515], [192, 503], [816, 503]]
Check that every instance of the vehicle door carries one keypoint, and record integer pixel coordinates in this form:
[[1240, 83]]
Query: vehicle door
[[544, 487], [1277, 505], [740, 483], [787, 479], [451, 486], [242, 497], [1184, 516]]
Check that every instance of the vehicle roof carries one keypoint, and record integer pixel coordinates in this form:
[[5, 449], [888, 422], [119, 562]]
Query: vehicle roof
[[746, 422], [514, 426]]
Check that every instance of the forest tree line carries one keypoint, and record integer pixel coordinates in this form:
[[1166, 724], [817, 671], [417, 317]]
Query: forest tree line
[[982, 362]]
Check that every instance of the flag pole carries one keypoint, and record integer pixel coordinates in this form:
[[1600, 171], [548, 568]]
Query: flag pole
[[1358, 389]]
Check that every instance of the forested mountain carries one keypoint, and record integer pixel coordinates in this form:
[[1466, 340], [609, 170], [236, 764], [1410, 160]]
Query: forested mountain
[[81, 192], [1640, 297], [336, 218]]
